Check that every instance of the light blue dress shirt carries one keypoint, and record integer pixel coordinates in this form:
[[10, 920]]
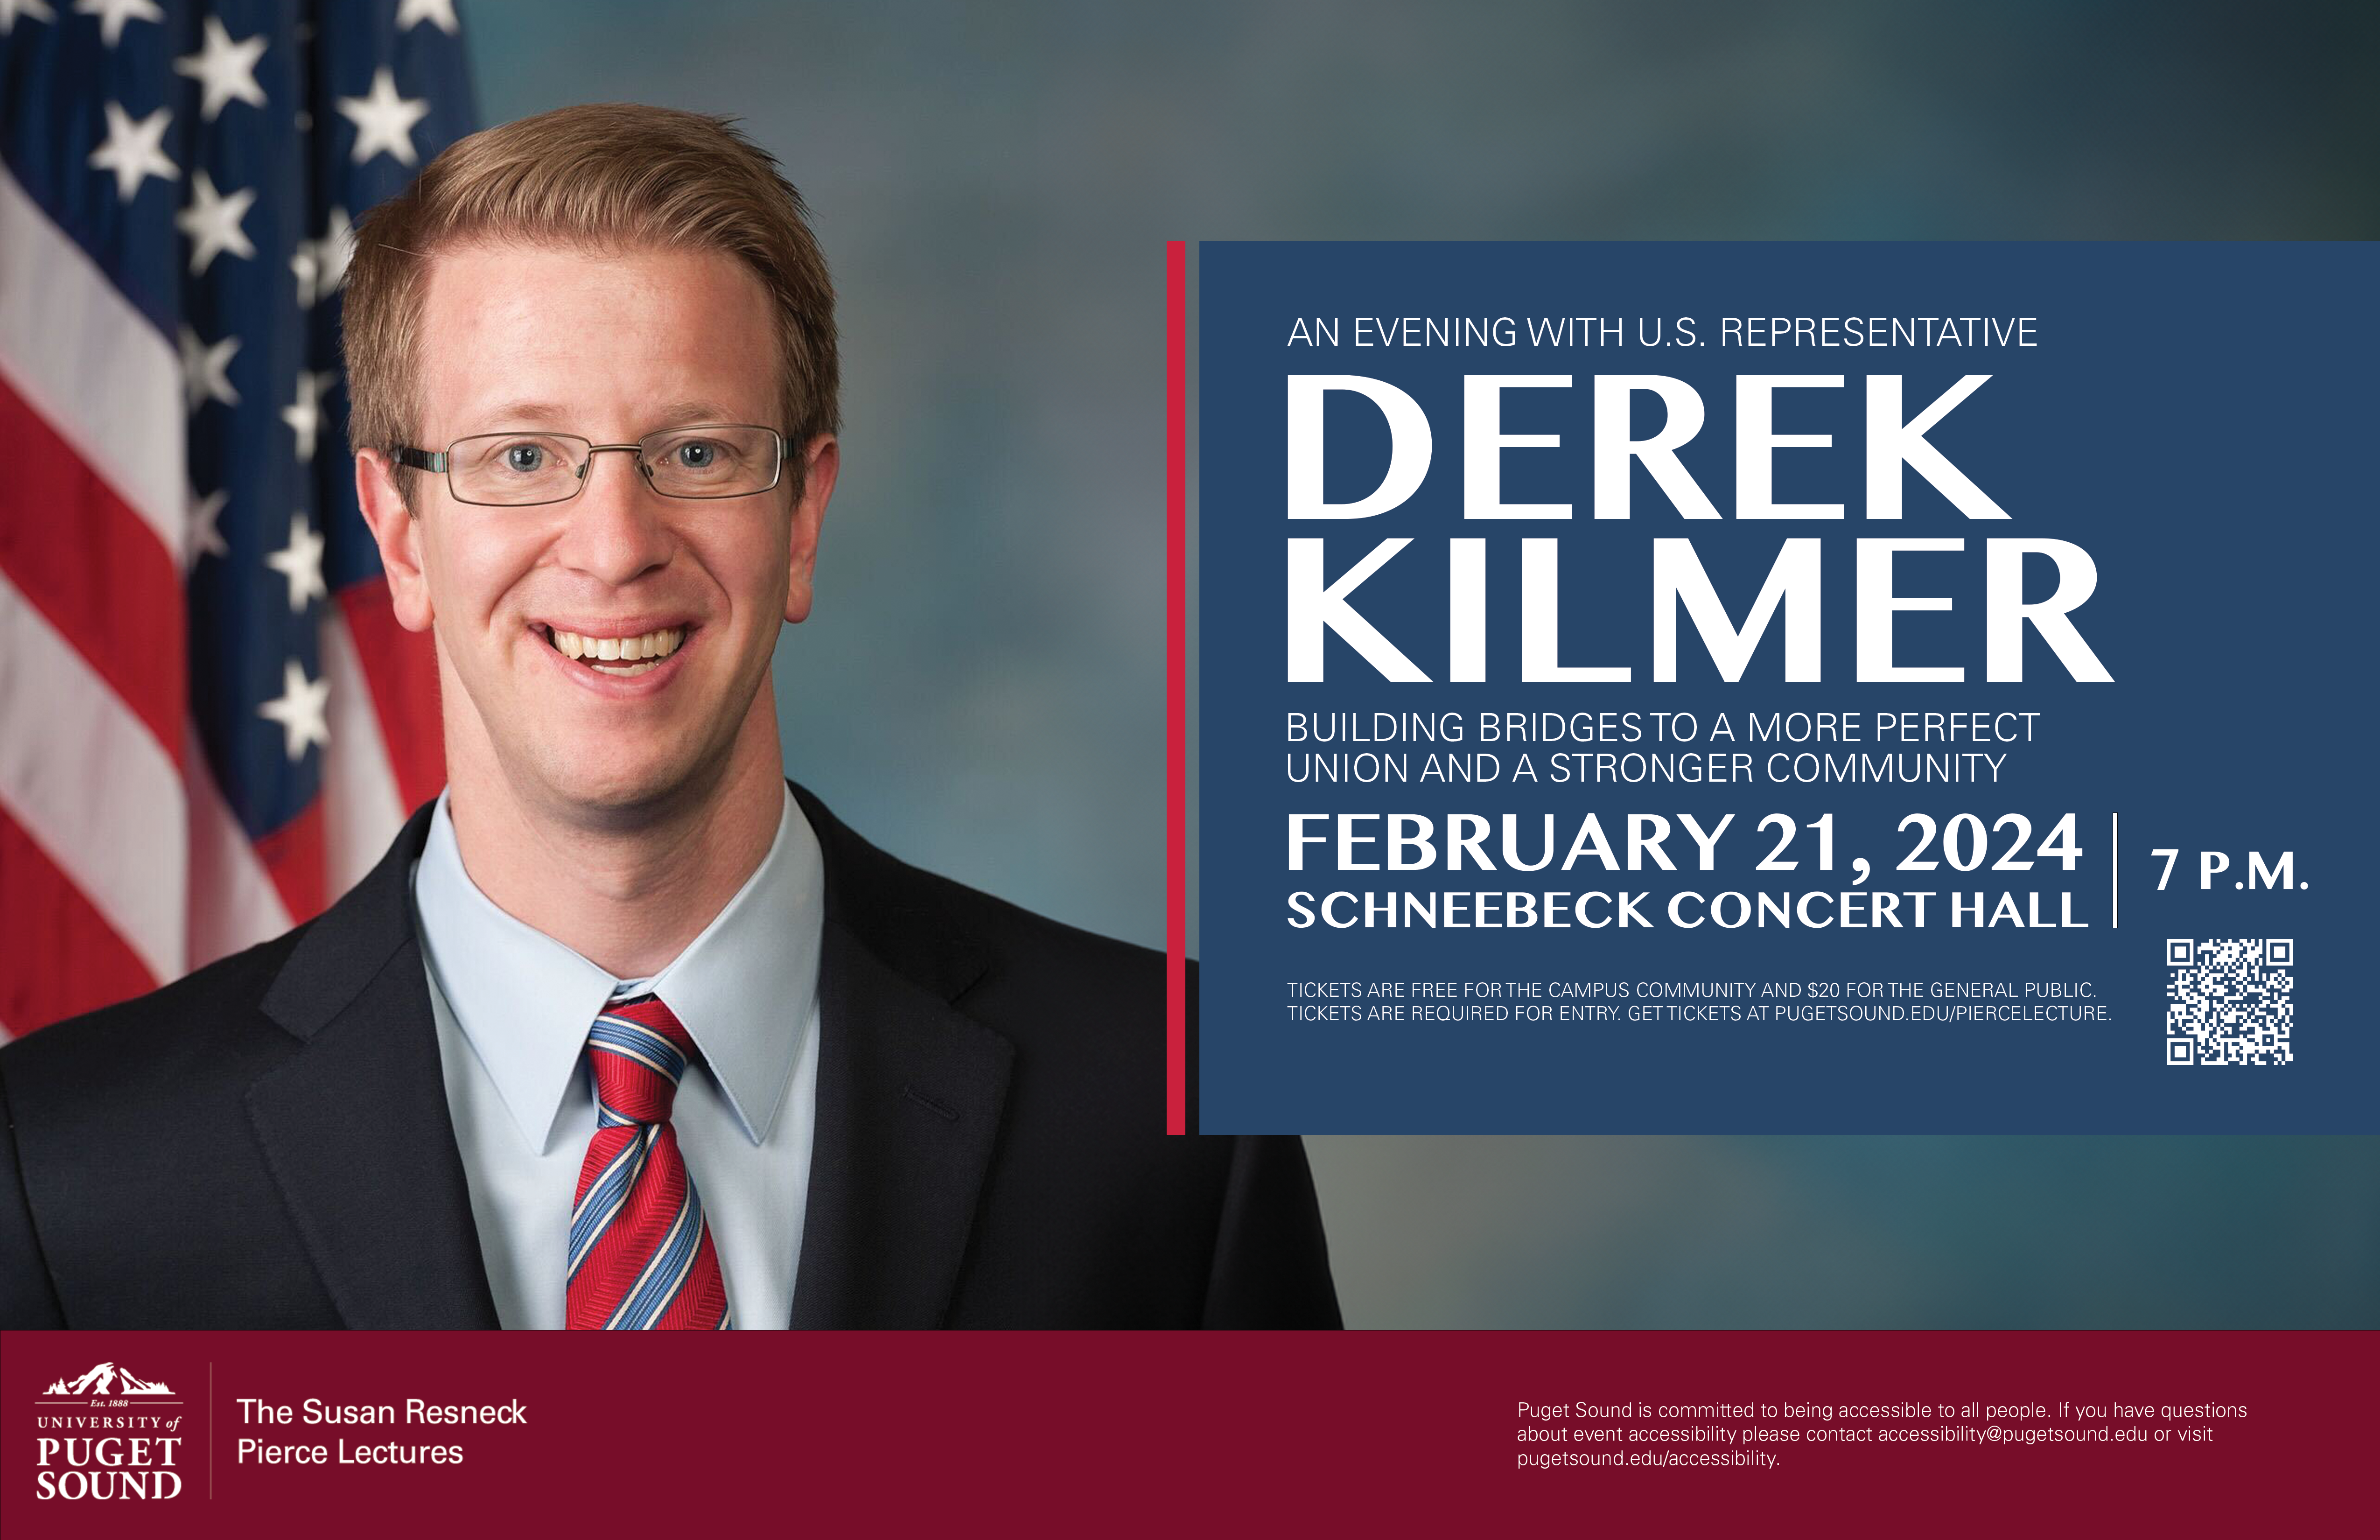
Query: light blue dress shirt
[[513, 1006]]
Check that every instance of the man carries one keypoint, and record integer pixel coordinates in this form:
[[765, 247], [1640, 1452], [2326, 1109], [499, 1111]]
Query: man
[[625, 1030]]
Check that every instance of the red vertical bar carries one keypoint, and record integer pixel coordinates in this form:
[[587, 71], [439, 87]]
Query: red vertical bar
[[1177, 693]]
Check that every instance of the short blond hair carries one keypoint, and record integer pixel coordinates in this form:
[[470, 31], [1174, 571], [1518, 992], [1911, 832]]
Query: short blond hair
[[609, 176]]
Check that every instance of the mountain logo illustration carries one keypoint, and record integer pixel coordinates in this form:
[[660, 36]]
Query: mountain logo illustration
[[109, 1379]]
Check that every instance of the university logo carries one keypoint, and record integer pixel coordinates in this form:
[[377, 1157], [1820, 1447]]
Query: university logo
[[109, 1379], [107, 1433]]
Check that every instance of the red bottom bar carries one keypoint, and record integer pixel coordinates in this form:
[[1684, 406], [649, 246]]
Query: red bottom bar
[[1941, 1433]]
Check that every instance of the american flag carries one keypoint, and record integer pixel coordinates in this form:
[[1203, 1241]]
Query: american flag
[[210, 723]]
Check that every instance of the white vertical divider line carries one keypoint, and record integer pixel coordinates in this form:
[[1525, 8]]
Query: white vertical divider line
[[2115, 872]]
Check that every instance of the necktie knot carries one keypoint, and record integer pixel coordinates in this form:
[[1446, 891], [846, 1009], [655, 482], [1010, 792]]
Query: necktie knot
[[638, 1053]]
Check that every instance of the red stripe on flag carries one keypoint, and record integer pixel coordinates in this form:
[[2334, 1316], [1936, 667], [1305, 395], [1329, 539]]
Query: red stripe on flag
[[93, 569], [1177, 527], [83, 964], [401, 669], [292, 857]]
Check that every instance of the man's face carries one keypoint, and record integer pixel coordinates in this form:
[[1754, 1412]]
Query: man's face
[[610, 347]]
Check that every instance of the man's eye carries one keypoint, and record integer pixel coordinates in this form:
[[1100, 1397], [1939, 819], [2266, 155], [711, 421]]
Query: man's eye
[[524, 458], [697, 454]]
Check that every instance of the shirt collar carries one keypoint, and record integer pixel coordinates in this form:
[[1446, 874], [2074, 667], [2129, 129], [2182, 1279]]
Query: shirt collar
[[743, 988]]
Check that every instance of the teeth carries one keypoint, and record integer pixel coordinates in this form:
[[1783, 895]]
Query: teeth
[[652, 646], [631, 670]]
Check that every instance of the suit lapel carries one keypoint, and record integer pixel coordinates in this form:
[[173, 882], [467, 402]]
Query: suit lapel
[[357, 1132], [354, 1128], [909, 1099]]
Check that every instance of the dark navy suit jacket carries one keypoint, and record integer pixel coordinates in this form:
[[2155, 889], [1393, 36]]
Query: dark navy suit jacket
[[266, 1142]]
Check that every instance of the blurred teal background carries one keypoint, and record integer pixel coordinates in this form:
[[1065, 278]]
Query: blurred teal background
[[981, 689]]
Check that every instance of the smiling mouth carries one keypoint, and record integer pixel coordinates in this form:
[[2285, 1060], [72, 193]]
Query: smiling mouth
[[623, 657]]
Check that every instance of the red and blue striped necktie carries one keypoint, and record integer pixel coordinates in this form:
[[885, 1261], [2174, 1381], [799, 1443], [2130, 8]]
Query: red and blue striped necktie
[[640, 1255]]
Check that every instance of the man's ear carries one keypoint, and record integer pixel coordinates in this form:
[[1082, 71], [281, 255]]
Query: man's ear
[[398, 535], [822, 459]]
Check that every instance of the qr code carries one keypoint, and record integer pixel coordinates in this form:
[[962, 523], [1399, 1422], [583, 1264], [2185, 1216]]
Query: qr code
[[2229, 1002]]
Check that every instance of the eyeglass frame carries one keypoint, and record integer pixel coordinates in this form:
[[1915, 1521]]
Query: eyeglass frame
[[440, 461]]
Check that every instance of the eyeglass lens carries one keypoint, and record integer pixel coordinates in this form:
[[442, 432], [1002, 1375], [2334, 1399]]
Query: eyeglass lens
[[703, 461]]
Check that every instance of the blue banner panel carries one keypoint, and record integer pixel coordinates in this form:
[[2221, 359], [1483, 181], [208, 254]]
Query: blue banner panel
[[1786, 688]]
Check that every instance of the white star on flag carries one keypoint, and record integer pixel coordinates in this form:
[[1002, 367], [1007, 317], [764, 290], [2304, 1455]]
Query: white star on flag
[[32, 11], [322, 265], [212, 222], [383, 120], [201, 537], [304, 415], [301, 562], [437, 13], [114, 14], [303, 709], [225, 70], [183, 173], [205, 369], [134, 151]]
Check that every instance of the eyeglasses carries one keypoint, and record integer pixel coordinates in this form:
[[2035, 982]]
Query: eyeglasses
[[512, 471]]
